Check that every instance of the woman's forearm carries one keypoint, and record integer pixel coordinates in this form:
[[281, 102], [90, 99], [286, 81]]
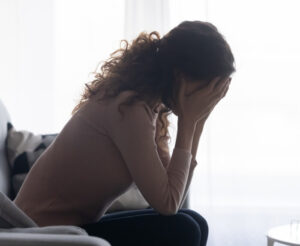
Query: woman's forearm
[[196, 137], [185, 133], [163, 148]]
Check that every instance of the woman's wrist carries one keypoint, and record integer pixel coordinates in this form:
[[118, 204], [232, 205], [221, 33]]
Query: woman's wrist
[[185, 133], [186, 122]]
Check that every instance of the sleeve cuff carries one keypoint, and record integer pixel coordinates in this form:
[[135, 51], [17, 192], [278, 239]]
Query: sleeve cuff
[[183, 155], [183, 150], [188, 155]]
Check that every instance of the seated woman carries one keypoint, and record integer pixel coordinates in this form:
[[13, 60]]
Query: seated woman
[[118, 136]]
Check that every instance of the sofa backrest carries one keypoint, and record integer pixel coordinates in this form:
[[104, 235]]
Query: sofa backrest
[[4, 167]]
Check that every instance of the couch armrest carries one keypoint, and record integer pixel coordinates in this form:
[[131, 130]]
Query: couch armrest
[[36, 239]]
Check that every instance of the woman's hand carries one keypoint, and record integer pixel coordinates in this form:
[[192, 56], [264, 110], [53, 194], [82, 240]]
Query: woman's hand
[[199, 104]]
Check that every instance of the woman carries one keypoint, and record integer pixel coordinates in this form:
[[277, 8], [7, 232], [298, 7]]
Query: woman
[[118, 136]]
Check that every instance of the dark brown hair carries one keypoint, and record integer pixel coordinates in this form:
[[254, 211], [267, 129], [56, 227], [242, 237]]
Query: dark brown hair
[[147, 65]]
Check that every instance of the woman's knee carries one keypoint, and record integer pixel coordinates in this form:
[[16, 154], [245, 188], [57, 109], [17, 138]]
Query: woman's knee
[[204, 228], [184, 227], [198, 217]]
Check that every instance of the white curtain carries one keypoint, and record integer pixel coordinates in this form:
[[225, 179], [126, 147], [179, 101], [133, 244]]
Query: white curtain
[[48, 50], [248, 178], [27, 62], [145, 15]]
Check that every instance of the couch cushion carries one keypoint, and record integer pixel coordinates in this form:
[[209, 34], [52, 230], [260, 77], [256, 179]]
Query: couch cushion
[[4, 167], [37, 239], [56, 229]]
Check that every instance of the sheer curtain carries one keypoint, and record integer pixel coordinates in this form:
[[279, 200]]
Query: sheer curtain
[[27, 62], [248, 177], [48, 50]]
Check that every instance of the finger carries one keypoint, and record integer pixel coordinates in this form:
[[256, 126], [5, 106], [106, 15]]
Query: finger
[[219, 94], [222, 85], [217, 98], [211, 85], [182, 89], [225, 91], [181, 92]]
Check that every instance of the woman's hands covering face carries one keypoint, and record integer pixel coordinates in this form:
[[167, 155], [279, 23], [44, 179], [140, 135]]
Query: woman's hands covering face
[[197, 105]]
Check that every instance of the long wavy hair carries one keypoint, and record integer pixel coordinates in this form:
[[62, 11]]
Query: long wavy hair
[[147, 65]]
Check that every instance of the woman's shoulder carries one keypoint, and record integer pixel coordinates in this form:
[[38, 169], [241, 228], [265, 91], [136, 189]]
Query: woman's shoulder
[[112, 100], [108, 115], [119, 103], [112, 112]]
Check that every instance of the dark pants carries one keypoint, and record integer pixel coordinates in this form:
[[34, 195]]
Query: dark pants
[[146, 227]]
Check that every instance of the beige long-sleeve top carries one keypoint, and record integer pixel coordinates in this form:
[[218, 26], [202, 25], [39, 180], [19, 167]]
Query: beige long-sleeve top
[[96, 157]]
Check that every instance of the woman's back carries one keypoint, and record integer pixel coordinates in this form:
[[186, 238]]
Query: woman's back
[[80, 174], [95, 158]]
